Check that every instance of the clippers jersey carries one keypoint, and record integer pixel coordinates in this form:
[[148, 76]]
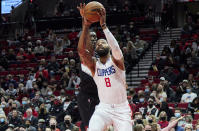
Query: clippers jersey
[[111, 82]]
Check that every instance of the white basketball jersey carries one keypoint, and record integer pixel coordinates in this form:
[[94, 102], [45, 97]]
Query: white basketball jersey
[[111, 82]]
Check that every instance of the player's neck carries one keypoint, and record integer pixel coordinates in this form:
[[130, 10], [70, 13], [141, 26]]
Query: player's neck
[[104, 59]]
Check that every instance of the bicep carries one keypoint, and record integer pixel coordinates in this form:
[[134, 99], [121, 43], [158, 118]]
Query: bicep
[[119, 63], [88, 61]]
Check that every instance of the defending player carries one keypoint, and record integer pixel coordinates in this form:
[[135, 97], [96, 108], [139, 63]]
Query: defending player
[[109, 75]]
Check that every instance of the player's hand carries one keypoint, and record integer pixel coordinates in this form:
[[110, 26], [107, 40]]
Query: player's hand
[[81, 10], [181, 118], [102, 14]]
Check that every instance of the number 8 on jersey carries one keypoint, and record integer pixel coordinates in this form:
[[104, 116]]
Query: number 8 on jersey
[[108, 83]]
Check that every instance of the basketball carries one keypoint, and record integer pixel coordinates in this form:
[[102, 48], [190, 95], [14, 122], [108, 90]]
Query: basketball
[[90, 11]]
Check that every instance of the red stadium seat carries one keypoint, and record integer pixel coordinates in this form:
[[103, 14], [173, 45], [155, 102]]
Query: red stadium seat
[[78, 123], [156, 80], [138, 89], [23, 66], [13, 66], [172, 105], [24, 72], [14, 73], [16, 79], [194, 122], [33, 65], [153, 73], [57, 77], [4, 73], [183, 105], [147, 39], [176, 71], [174, 87], [196, 116], [144, 81]]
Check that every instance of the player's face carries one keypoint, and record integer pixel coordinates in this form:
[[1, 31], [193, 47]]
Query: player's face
[[102, 48]]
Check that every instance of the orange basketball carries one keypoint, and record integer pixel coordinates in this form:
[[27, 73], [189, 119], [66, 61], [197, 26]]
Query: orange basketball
[[90, 11]]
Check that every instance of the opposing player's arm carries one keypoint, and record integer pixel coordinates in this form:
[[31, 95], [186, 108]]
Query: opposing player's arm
[[117, 55], [85, 55]]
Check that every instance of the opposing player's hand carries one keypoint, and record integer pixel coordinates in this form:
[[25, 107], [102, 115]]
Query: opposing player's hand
[[81, 10], [102, 14]]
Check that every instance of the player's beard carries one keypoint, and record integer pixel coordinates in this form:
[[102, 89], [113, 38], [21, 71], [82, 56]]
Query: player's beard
[[103, 52]]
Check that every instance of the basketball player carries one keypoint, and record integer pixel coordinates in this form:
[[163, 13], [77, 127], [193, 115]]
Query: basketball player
[[109, 75], [88, 97]]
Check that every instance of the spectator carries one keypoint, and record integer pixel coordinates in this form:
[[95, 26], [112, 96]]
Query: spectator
[[147, 127], [53, 66], [21, 79], [142, 102], [37, 100], [67, 103], [138, 118], [58, 47], [30, 55], [10, 80], [165, 108], [188, 127], [39, 49], [151, 109], [29, 82], [3, 122], [33, 120], [64, 65], [43, 113], [15, 118], [197, 127], [62, 95], [29, 126], [140, 45], [66, 41], [181, 89], [72, 65], [193, 106], [21, 54], [74, 81], [68, 124], [183, 73], [53, 124], [159, 63], [195, 87], [56, 108], [41, 125], [161, 94], [163, 120], [189, 26], [11, 56], [25, 105], [71, 55], [138, 127], [3, 60], [189, 96], [11, 91], [42, 74]]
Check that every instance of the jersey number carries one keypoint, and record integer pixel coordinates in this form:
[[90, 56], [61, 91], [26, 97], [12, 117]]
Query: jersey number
[[108, 83]]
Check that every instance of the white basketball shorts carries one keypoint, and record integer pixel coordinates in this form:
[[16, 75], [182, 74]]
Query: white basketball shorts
[[118, 115]]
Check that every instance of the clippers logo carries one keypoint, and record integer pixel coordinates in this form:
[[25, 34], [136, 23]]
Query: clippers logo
[[106, 72]]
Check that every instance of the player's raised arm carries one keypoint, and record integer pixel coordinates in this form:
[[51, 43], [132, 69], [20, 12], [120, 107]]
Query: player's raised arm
[[84, 40], [116, 51]]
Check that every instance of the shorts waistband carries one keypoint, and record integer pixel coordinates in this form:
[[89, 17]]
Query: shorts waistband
[[114, 105]]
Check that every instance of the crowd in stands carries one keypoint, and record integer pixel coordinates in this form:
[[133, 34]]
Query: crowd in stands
[[39, 80], [39, 77], [172, 87]]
